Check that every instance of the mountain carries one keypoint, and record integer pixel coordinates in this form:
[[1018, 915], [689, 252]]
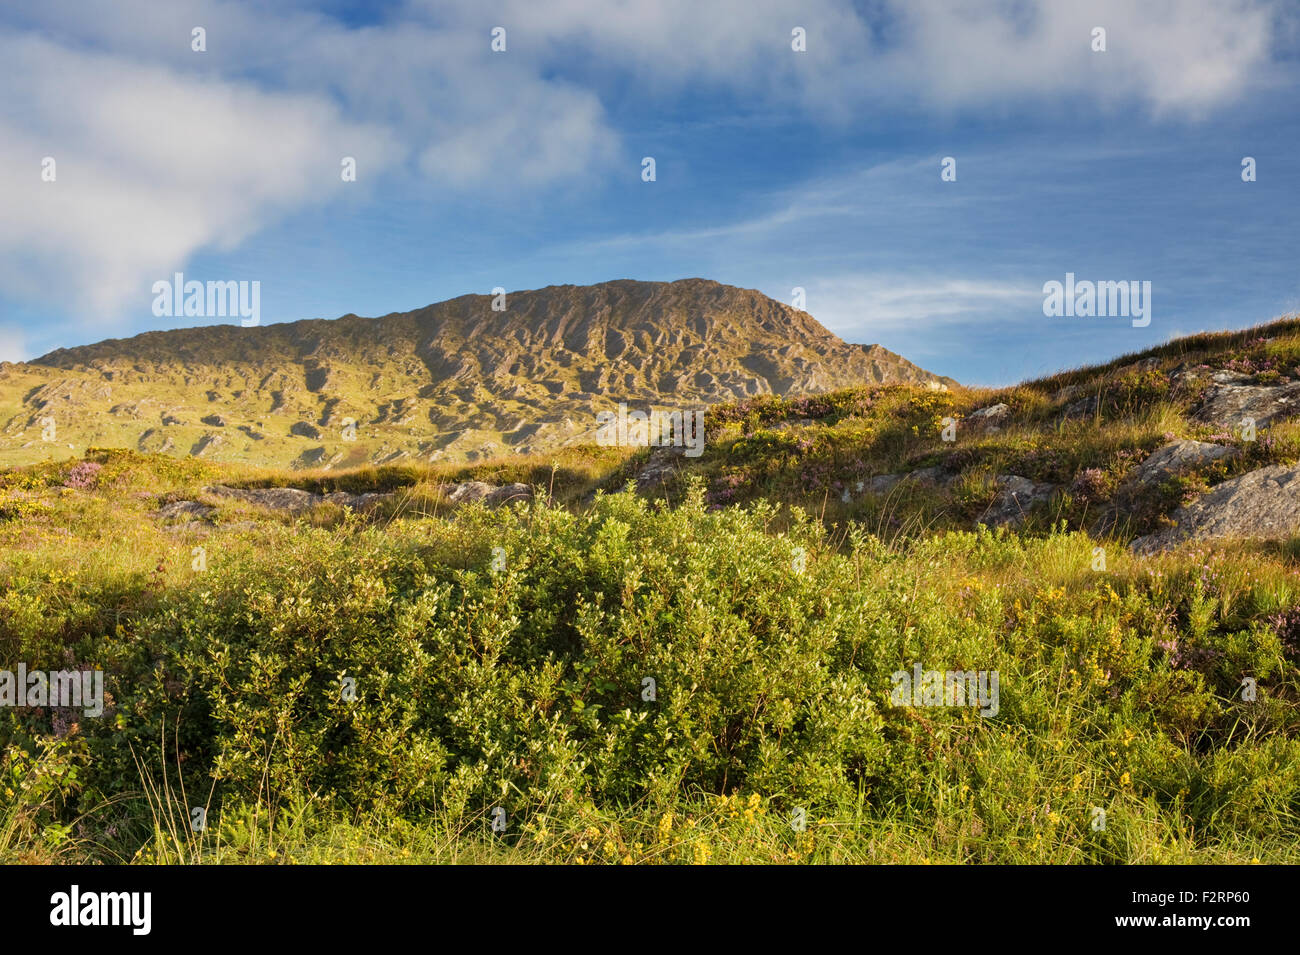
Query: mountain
[[454, 381]]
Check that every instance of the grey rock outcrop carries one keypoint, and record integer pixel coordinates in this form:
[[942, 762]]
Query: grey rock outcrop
[[305, 429], [1016, 497], [467, 492], [661, 466], [295, 500], [206, 444], [1178, 456], [191, 510], [991, 418], [1083, 408], [1227, 405], [883, 483], [933, 475], [1261, 504]]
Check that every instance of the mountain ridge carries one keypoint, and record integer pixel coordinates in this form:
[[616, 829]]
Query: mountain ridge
[[454, 379]]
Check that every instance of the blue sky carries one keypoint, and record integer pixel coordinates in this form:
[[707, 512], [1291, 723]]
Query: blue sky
[[775, 168]]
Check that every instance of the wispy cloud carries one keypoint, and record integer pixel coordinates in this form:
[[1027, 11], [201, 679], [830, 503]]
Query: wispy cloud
[[164, 152], [12, 345], [862, 305]]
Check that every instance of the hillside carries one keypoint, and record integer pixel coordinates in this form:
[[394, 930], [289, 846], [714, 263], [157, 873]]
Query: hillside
[[1196, 439], [451, 382], [820, 548]]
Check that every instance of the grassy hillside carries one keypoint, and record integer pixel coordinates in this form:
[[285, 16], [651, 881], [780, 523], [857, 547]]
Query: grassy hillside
[[500, 656]]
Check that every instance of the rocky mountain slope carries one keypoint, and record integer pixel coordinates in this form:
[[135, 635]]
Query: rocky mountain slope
[[454, 381]]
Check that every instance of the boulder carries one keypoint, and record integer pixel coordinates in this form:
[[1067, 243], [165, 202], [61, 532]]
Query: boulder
[[1178, 456], [311, 458], [1083, 408], [1226, 405], [883, 483], [510, 492], [935, 475], [305, 429], [358, 502], [991, 418], [467, 492], [661, 466], [206, 444], [1066, 394], [295, 500], [1224, 376], [191, 510], [1261, 504], [1015, 497], [292, 499]]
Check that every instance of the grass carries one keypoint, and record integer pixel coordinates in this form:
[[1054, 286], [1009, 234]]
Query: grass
[[1121, 691], [1162, 692]]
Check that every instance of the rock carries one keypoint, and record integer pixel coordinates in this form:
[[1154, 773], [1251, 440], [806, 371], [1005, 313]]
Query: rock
[[295, 500], [358, 502], [883, 483], [1178, 456], [1224, 376], [205, 444], [214, 420], [1262, 504], [510, 492], [661, 466], [935, 475], [992, 417], [190, 509], [1016, 496], [305, 429], [1226, 405], [1083, 408], [467, 492], [292, 499], [310, 458]]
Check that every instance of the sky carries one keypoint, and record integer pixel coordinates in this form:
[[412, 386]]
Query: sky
[[776, 168]]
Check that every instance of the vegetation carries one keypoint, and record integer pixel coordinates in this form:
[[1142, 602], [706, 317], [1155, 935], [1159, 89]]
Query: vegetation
[[343, 687]]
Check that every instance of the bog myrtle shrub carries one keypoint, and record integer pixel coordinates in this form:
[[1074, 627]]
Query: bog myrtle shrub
[[546, 660]]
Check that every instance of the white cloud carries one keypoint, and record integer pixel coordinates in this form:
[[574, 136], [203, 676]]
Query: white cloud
[[863, 305], [1170, 56], [151, 166], [163, 152], [1174, 56]]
